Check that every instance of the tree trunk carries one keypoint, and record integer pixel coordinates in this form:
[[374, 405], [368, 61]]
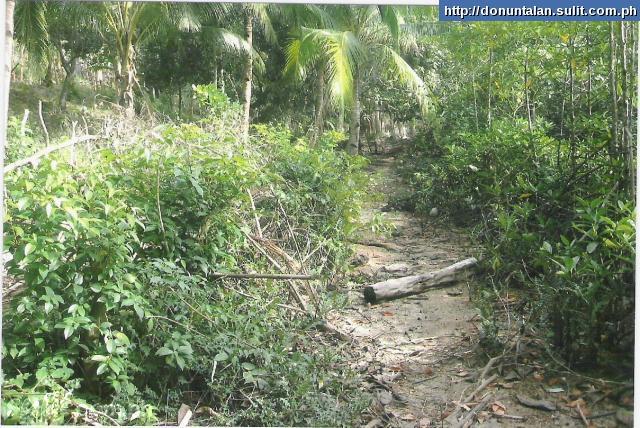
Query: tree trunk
[[70, 71], [415, 284], [526, 88], [627, 142], [490, 87], [179, 100], [48, 76], [319, 119], [353, 147], [4, 98], [572, 105], [613, 146], [248, 76], [126, 71]]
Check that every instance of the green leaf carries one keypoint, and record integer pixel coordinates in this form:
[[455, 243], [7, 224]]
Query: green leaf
[[122, 338], [101, 369], [547, 247], [164, 351], [68, 331], [22, 203], [592, 247], [29, 248], [221, 356], [99, 358], [139, 311], [180, 361], [185, 349]]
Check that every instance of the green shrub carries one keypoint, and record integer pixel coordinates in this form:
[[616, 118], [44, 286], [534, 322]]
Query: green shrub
[[558, 230], [115, 253]]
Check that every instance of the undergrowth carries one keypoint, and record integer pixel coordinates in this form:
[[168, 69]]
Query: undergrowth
[[119, 311], [557, 233]]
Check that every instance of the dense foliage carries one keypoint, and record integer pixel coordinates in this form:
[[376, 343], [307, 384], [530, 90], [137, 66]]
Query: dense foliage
[[550, 191], [116, 254], [227, 142]]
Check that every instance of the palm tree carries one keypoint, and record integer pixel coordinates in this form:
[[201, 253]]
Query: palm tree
[[7, 33], [260, 14], [358, 39], [130, 24]]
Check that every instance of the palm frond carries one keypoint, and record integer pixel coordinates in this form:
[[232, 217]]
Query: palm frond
[[344, 52], [236, 44], [391, 19], [31, 27], [300, 54], [260, 11], [407, 75]]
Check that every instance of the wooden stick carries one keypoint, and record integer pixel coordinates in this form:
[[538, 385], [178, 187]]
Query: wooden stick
[[324, 325], [474, 412], [255, 214], [489, 366], [386, 245], [44, 127], [512, 417], [23, 124], [263, 276], [468, 398], [584, 420], [44, 152]]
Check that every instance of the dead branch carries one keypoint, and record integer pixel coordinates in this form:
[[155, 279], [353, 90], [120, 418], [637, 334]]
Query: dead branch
[[46, 151], [454, 416], [474, 412], [263, 276], [386, 245]]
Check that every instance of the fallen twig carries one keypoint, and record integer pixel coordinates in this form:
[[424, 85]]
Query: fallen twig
[[474, 412], [512, 417], [581, 413], [536, 404], [263, 276], [488, 367], [454, 416]]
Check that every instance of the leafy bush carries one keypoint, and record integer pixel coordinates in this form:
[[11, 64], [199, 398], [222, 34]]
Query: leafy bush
[[116, 253], [563, 235]]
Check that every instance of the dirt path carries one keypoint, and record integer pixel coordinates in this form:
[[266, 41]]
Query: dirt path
[[419, 355], [413, 344]]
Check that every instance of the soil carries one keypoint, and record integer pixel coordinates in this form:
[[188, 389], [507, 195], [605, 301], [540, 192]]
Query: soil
[[418, 356]]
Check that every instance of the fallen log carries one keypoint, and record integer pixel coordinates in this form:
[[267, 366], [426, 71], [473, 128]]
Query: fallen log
[[415, 284]]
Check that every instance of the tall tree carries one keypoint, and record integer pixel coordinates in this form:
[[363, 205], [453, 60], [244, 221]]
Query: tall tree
[[357, 38]]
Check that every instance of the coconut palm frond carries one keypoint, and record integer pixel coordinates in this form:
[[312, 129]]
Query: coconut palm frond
[[344, 52], [407, 75], [31, 27], [234, 43]]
